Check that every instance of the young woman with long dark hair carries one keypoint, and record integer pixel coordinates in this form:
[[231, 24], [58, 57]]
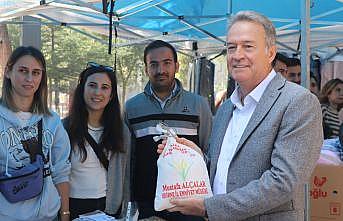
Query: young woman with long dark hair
[[99, 144]]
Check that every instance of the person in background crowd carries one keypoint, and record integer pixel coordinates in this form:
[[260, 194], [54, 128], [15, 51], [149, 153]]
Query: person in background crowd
[[165, 100], [100, 144], [294, 70], [314, 86], [280, 64], [23, 106], [290, 68], [265, 139], [331, 99]]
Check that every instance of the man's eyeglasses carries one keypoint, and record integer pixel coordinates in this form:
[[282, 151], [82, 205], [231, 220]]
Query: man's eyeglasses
[[96, 65]]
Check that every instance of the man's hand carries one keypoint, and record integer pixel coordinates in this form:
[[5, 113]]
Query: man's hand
[[183, 141], [194, 206], [161, 146]]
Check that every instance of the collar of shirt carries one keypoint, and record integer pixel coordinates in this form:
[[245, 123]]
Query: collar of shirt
[[255, 95], [163, 102]]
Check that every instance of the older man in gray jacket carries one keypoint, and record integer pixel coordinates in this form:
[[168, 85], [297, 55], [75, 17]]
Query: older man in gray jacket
[[266, 138]]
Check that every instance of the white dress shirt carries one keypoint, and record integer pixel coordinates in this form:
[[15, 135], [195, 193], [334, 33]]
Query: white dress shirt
[[239, 121]]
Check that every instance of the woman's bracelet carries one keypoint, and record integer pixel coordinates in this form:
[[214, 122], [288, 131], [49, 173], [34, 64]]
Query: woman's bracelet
[[65, 213]]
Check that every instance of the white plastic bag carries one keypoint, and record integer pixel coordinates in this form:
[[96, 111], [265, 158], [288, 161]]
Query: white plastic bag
[[329, 157], [182, 174]]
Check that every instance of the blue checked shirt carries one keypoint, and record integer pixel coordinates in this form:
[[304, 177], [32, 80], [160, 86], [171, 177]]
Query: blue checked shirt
[[333, 145]]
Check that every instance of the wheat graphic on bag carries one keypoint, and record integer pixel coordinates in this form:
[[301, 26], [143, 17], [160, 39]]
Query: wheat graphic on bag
[[182, 172]]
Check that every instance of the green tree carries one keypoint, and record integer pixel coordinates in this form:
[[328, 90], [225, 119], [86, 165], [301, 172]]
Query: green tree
[[14, 35], [67, 53], [182, 75], [129, 68]]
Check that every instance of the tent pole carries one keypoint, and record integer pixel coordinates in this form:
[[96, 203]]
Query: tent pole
[[182, 20], [229, 7], [305, 43], [231, 84], [305, 72], [197, 68]]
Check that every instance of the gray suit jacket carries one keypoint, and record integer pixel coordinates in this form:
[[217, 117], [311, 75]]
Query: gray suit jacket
[[274, 158]]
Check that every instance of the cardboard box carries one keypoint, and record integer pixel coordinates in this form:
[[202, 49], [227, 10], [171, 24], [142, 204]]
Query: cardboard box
[[326, 193]]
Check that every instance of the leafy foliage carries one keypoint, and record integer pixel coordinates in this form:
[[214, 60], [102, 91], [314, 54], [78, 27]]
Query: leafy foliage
[[67, 53]]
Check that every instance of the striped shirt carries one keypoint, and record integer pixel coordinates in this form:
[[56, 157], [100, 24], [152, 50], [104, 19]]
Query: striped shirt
[[331, 121]]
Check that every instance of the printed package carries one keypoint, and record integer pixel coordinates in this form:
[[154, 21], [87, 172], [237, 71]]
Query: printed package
[[182, 174]]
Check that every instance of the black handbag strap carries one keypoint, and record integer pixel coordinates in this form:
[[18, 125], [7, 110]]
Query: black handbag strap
[[40, 135], [97, 150]]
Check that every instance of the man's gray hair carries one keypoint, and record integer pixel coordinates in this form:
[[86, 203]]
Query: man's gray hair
[[252, 16]]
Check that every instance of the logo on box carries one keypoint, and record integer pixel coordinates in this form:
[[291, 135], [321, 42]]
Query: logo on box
[[318, 182], [335, 209], [316, 193]]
